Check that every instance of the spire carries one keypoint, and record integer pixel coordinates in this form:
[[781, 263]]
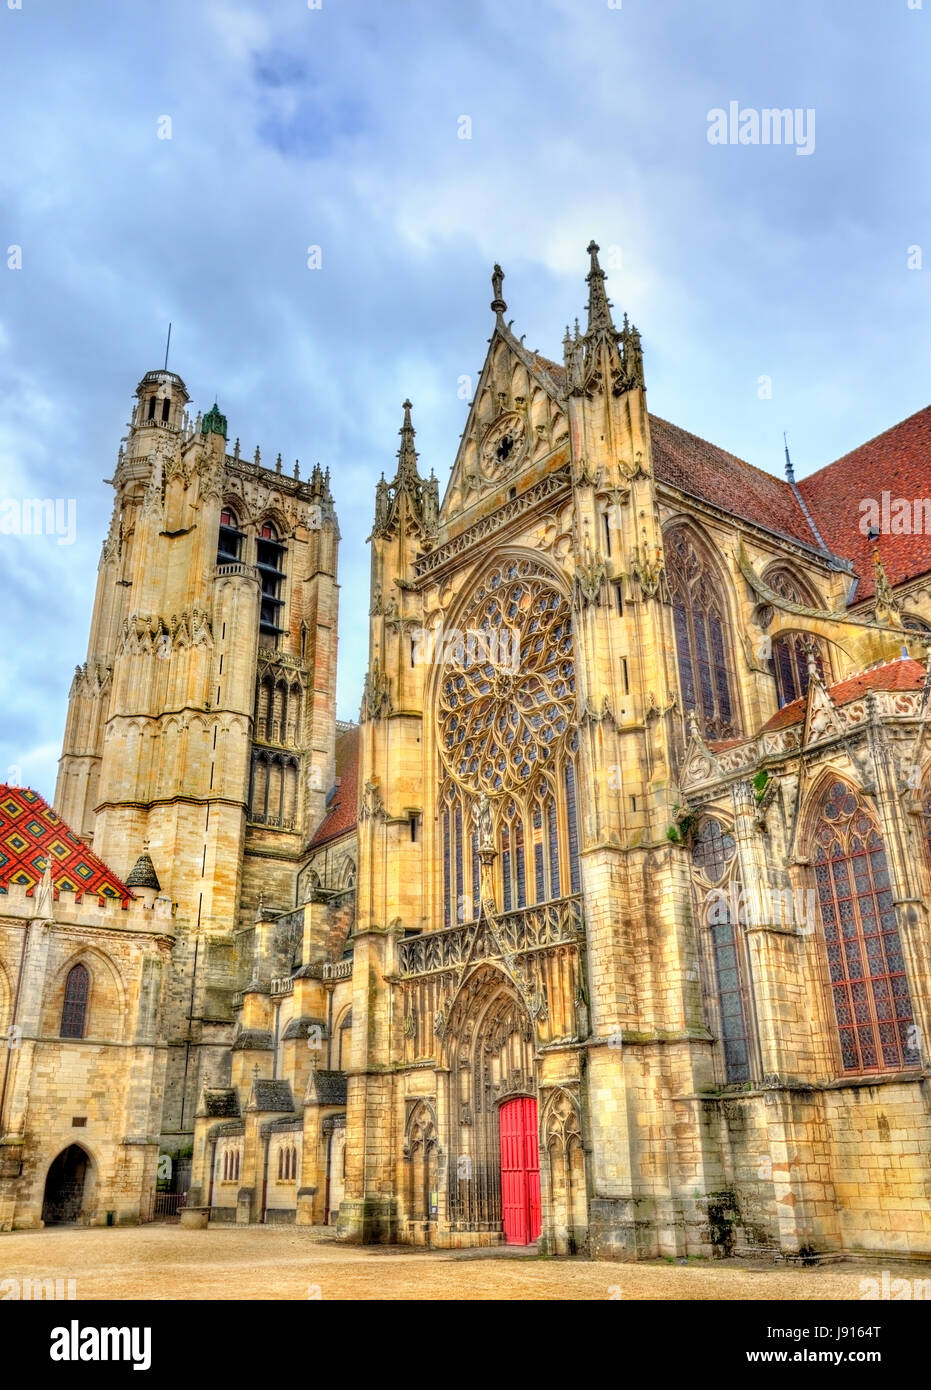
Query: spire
[[422, 494], [790, 471], [142, 874], [602, 355], [497, 279], [599, 306], [407, 454]]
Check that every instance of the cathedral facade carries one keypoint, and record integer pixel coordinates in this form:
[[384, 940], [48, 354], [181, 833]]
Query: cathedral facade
[[607, 925]]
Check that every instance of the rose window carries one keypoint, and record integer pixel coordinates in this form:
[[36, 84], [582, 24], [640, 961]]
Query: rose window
[[507, 695]]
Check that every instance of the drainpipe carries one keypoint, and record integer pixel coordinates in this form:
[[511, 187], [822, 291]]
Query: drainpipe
[[265, 1177], [213, 1165]]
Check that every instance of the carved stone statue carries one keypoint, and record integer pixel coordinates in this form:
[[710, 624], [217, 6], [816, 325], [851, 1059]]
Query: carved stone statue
[[481, 814]]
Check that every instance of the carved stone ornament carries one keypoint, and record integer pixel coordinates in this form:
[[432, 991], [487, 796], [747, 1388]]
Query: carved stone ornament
[[376, 693], [371, 804], [590, 574], [503, 445]]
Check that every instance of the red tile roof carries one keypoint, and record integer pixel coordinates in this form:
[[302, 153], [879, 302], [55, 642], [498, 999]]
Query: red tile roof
[[691, 464], [30, 831], [899, 462], [343, 809], [902, 674]]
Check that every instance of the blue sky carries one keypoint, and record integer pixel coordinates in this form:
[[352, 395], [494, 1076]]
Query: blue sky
[[339, 127]]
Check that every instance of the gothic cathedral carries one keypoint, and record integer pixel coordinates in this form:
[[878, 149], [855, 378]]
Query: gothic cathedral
[[607, 924]]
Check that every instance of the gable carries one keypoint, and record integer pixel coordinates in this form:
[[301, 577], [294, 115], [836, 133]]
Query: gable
[[516, 422]]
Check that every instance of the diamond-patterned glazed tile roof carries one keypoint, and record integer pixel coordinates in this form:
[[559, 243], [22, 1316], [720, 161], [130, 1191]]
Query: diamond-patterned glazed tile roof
[[30, 831]]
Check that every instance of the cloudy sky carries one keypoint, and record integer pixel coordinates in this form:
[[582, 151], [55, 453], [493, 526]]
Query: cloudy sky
[[340, 127]]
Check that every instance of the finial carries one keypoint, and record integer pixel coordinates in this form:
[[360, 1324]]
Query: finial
[[599, 306], [790, 472], [278, 464], [297, 469], [407, 454], [497, 279], [236, 450], [258, 456]]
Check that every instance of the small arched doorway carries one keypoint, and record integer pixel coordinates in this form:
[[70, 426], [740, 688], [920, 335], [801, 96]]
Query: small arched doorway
[[64, 1187]]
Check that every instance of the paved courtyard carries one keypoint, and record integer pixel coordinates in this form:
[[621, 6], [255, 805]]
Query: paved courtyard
[[166, 1262]]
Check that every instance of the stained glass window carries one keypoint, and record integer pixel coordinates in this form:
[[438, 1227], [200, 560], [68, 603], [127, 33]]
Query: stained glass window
[[700, 629], [869, 985], [77, 993], [789, 660], [730, 1003], [506, 707], [573, 829], [712, 849]]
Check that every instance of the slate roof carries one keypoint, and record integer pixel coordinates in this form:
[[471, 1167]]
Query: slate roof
[[253, 1040], [343, 808], [220, 1104], [142, 874], [271, 1095], [30, 831], [330, 1087]]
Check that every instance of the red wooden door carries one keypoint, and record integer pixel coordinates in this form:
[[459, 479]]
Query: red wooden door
[[520, 1171]]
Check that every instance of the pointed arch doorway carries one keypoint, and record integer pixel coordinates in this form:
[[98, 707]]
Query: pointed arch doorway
[[64, 1187], [494, 1170], [521, 1216]]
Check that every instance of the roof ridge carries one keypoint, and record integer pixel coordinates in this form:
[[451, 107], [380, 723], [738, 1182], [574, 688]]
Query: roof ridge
[[774, 477]]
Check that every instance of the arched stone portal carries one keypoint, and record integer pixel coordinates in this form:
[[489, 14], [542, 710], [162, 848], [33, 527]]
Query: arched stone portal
[[489, 1048], [64, 1187]]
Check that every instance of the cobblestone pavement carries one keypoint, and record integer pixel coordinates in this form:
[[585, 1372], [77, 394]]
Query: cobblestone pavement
[[166, 1262]]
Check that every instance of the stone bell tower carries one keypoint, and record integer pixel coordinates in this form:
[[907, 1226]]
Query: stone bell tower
[[203, 720]]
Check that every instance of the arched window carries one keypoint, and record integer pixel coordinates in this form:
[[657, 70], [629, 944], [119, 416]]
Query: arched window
[[451, 821], [789, 659], [270, 553], [506, 703], [869, 986], [229, 545], [714, 859], [712, 849], [915, 624], [702, 646], [77, 995], [545, 843]]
